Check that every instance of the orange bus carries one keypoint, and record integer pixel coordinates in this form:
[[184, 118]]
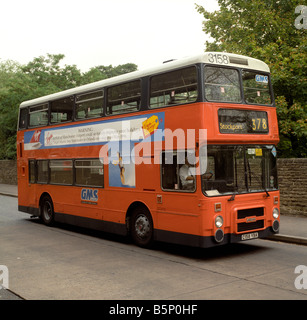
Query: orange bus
[[181, 153]]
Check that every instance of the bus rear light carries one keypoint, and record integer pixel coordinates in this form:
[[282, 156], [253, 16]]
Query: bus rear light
[[218, 207]]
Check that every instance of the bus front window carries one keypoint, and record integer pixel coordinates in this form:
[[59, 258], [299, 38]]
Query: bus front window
[[256, 87], [222, 84], [239, 169]]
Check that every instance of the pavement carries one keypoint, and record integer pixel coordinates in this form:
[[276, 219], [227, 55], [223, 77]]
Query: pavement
[[293, 229]]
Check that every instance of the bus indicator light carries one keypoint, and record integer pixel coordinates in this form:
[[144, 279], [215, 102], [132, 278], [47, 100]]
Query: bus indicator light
[[218, 207]]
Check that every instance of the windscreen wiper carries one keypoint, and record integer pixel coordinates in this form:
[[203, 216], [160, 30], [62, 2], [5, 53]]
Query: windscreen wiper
[[234, 194], [266, 191], [232, 197]]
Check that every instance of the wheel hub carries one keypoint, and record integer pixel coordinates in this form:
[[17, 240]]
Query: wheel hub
[[47, 210], [142, 226]]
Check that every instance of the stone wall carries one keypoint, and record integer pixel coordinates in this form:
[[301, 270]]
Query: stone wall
[[292, 179], [8, 171]]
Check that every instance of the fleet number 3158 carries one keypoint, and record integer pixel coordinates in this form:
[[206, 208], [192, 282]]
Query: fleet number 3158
[[218, 58]]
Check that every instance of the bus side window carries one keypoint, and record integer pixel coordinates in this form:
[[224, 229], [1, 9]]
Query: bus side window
[[62, 110], [169, 171], [89, 105], [38, 115], [124, 98], [42, 171], [89, 172], [32, 171], [176, 87], [177, 173], [61, 172], [23, 116]]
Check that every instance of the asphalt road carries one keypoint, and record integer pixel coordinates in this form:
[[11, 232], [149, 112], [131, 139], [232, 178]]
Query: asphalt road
[[66, 262]]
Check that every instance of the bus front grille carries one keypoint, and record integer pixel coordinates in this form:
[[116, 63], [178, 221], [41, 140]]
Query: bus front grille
[[258, 212], [250, 226], [250, 219]]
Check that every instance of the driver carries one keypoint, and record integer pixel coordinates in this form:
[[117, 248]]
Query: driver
[[186, 177]]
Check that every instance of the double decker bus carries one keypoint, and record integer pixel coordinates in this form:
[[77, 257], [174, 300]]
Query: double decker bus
[[181, 153]]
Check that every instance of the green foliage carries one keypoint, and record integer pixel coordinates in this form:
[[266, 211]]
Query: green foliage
[[12, 91], [264, 29], [104, 72], [40, 77]]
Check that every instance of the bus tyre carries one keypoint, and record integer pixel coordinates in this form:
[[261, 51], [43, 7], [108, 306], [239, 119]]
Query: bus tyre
[[47, 212], [142, 227]]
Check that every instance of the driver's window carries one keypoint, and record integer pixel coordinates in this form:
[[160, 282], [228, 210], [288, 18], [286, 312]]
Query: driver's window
[[177, 172]]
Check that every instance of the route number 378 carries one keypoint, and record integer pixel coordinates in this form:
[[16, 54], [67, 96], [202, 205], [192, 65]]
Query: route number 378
[[218, 58], [259, 124]]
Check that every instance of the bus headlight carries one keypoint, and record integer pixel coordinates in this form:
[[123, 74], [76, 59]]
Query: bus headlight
[[275, 213], [219, 221]]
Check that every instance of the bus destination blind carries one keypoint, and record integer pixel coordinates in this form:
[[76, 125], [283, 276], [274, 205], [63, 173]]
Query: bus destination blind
[[243, 121]]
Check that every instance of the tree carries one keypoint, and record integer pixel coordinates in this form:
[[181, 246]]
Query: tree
[[265, 29], [15, 86], [104, 72], [49, 75]]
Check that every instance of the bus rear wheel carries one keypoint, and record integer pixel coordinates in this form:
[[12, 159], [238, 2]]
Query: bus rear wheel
[[47, 212], [142, 227]]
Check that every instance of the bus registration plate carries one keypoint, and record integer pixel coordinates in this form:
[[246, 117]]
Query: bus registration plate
[[249, 236]]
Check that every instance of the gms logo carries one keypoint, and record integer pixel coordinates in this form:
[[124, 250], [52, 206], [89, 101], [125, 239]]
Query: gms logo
[[89, 196]]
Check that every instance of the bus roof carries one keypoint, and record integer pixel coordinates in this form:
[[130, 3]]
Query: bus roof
[[211, 58]]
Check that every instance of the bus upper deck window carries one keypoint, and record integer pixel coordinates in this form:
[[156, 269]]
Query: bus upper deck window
[[89, 105], [222, 84], [124, 98], [174, 87], [38, 115], [23, 115], [62, 110], [256, 87]]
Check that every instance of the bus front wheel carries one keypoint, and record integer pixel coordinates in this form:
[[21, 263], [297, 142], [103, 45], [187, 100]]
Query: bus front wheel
[[142, 227], [47, 212]]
